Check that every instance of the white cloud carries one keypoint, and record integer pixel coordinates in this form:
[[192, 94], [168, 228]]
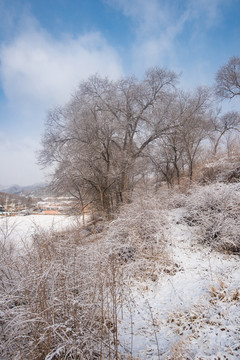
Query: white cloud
[[38, 72], [35, 68], [157, 24], [18, 161], [208, 10], [160, 27], [160, 13]]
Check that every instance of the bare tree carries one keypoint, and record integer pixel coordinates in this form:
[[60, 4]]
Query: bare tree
[[166, 157], [98, 137], [195, 124], [179, 147], [232, 141], [225, 124], [228, 79]]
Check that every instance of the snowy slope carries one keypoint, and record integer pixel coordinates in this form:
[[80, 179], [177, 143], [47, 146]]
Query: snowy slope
[[192, 311]]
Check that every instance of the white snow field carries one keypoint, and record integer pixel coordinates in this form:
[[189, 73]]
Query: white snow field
[[19, 229], [192, 311]]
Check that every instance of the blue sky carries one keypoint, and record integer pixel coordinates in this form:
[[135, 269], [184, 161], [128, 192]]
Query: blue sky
[[48, 46]]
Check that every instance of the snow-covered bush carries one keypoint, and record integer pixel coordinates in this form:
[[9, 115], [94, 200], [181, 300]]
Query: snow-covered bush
[[214, 210], [59, 300], [224, 169], [61, 297], [137, 236]]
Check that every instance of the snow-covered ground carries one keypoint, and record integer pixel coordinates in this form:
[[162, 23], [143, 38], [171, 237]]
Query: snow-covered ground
[[192, 311], [19, 229]]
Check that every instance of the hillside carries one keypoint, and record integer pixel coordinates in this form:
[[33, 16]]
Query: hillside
[[31, 190], [191, 310], [159, 281]]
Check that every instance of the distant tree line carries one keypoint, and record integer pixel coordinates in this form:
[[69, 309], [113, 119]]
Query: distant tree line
[[114, 133], [7, 200]]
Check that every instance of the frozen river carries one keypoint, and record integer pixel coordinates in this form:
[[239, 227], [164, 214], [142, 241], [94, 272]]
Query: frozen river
[[19, 229]]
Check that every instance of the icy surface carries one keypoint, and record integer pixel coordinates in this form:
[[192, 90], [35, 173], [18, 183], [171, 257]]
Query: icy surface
[[19, 229]]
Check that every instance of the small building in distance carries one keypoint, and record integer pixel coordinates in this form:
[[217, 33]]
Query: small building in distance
[[50, 212], [55, 205]]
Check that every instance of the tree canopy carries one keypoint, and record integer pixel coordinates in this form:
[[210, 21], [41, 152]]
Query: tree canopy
[[111, 133]]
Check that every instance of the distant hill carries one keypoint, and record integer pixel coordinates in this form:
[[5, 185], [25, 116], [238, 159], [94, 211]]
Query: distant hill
[[31, 190]]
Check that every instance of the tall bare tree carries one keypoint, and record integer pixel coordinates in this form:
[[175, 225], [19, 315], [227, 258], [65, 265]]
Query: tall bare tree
[[229, 122], [178, 148], [228, 79], [99, 136], [195, 124]]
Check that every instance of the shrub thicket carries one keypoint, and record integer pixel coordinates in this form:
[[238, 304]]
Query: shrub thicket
[[214, 210], [61, 298]]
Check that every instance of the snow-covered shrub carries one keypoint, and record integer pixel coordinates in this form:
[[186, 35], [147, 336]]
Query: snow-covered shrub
[[214, 210], [222, 170], [59, 300], [177, 198], [137, 237]]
